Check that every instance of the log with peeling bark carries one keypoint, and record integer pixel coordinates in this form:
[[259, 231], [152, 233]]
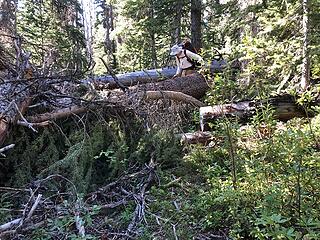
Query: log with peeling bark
[[285, 108]]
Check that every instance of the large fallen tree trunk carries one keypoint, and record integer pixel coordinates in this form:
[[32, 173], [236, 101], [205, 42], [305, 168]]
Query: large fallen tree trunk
[[146, 76], [285, 108], [193, 85], [134, 78], [16, 95], [148, 95]]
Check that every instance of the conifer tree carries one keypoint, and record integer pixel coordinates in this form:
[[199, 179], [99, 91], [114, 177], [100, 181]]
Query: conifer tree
[[54, 34]]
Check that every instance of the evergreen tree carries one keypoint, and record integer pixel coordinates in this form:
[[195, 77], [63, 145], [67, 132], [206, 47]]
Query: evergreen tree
[[54, 34]]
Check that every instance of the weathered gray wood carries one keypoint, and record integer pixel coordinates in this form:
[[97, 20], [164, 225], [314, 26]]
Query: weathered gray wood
[[134, 78], [196, 137], [148, 76], [14, 100], [285, 108]]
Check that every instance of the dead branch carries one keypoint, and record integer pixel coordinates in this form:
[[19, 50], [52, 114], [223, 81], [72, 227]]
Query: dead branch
[[58, 114], [196, 137], [172, 95], [6, 148], [20, 221], [115, 78], [139, 213]]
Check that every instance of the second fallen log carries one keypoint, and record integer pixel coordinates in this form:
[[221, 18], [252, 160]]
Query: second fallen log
[[284, 108]]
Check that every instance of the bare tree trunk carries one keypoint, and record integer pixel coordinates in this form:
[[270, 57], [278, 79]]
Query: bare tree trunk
[[109, 44], [153, 51], [7, 28], [134, 78], [196, 18], [153, 41], [113, 42], [305, 78], [176, 36]]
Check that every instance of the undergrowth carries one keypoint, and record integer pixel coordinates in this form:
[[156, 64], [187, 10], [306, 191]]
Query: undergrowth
[[255, 181]]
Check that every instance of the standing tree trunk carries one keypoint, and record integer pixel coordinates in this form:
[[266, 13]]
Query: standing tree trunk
[[153, 51], [7, 25], [176, 36], [196, 17], [113, 42], [305, 78], [109, 45], [153, 40]]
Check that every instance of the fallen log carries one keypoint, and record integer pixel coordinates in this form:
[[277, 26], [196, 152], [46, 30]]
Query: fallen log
[[193, 85], [6, 148], [177, 96], [285, 108], [146, 76], [74, 110], [197, 137], [133, 78]]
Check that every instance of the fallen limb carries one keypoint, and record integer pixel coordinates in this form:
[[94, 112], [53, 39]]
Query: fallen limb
[[22, 220], [196, 137], [6, 148], [39, 124], [58, 114], [177, 96]]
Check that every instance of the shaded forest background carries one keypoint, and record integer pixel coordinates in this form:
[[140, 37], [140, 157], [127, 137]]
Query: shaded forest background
[[121, 172]]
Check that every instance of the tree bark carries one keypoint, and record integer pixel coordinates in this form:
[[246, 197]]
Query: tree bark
[[109, 44], [196, 137], [147, 76], [193, 85], [152, 34], [147, 95], [7, 33], [134, 78], [176, 36], [196, 18], [285, 108]]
